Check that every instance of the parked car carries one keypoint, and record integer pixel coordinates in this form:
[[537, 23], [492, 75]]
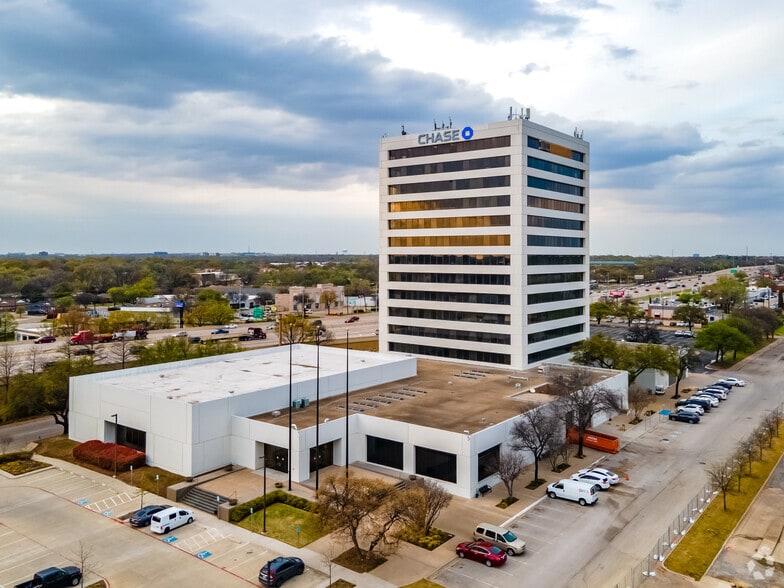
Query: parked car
[[280, 569], [54, 578], [143, 516], [581, 492], [689, 410], [84, 351], [719, 393], [693, 406], [482, 551], [733, 381], [714, 402], [685, 417], [46, 339], [592, 478], [722, 384], [500, 537], [170, 518], [704, 403], [611, 476], [220, 332], [352, 319]]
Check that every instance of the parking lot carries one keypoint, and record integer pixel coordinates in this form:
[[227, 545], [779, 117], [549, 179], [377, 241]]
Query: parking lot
[[81, 514]]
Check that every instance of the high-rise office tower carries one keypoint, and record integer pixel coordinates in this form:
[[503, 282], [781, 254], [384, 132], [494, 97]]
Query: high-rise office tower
[[484, 243]]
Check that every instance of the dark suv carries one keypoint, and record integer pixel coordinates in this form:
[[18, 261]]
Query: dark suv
[[143, 516], [280, 569]]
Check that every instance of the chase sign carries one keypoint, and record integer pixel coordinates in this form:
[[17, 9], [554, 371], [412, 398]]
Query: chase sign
[[445, 136]]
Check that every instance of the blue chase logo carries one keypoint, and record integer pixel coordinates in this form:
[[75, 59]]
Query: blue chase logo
[[445, 136]]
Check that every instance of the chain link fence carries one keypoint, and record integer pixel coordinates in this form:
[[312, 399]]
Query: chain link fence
[[669, 539]]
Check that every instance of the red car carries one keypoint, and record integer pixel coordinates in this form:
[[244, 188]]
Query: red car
[[482, 551], [351, 319], [46, 339]]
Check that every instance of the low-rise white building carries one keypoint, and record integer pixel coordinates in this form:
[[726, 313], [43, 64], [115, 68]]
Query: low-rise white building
[[405, 416]]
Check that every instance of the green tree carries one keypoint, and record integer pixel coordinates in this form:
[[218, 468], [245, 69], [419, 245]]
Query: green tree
[[649, 357], [689, 314], [598, 350], [688, 357], [327, 299], [629, 310], [600, 310], [295, 329], [721, 337], [7, 326], [727, 293]]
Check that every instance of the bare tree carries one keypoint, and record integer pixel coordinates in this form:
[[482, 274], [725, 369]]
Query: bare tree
[[555, 451], [425, 500], [748, 446], [776, 416], [533, 432], [364, 509], [84, 555], [720, 474], [9, 361], [33, 358], [122, 351], [5, 442], [738, 461], [510, 465], [639, 400], [579, 401], [760, 440]]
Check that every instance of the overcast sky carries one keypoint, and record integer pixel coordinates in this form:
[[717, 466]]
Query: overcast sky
[[248, 125]]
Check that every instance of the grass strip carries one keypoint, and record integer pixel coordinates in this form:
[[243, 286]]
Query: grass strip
[[699, 547]]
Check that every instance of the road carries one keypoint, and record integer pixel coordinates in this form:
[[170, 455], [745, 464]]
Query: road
[[22, 433], [575, 546], [28, 353]]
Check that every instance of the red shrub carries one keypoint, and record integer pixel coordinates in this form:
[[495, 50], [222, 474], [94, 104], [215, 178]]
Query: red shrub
[[103, 454]]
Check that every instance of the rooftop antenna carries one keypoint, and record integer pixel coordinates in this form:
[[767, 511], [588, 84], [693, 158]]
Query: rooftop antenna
[[510, 114], [435, 125], [527, 114], [450, 122], [402, 129]]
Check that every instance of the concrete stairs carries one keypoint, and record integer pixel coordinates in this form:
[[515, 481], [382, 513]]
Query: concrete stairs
[[203, 499]]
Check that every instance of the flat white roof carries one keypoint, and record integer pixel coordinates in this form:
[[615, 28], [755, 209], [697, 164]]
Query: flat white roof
[[217, 377]]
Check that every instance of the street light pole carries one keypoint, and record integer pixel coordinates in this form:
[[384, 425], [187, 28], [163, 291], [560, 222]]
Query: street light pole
[[318, 457], [115, 445], [264, 515], [291, 346], [346, 442]]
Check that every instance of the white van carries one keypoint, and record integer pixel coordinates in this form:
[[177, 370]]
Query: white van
[[171, 518], [499, 537], [582, 492]]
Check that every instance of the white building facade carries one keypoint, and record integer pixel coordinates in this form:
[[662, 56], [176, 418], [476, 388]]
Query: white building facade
[[484, 243], [201, 415]]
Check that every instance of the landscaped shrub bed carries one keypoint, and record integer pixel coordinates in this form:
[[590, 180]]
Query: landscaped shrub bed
[[240, 511], [17, 456], [103, 454]]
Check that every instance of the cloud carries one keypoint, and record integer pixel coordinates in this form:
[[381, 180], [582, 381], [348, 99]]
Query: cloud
[[533, 67], [621, 53], [628, 146], [500, 19]]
